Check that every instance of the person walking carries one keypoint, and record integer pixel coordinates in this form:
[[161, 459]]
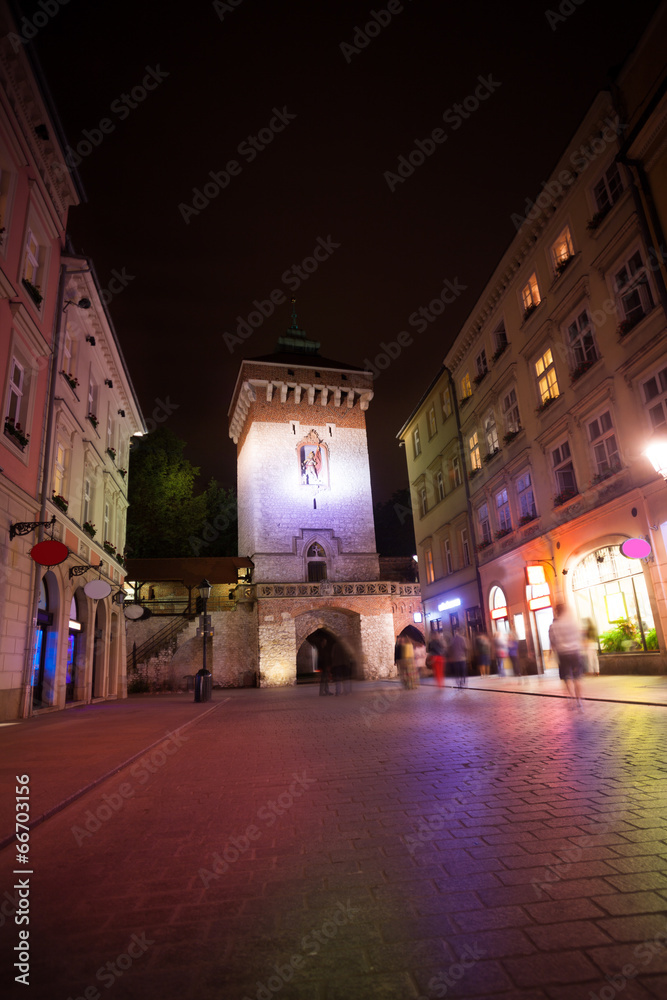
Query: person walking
[[483, 653], [436, 651], [565, 638], [500, 652], [324, 663], [458, 657]]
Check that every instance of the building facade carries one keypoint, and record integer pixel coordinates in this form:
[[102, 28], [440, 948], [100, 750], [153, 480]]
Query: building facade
[[68, 413], [560, 373]]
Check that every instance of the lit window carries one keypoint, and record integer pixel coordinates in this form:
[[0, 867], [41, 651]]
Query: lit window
[[511, 412], [432, 426], [465, 547], [530, 294], [562, 250], [525, 496], [107, 536], [16, 383], [446, 402], [491, 433], [416, 442], [484, 523], [580, 338], [31, 266], [87, 499], [546, 377], [456, 471], [480, 364], [503, 511], [466, 386], [608, 189], [655, 399], [561, 461], [633, 291], [428, 559], [423, 502], [440, 485], [605, 450], [92, 397], [473, 446], [18, 398], [59, 469], [109, 431], [448, 556]]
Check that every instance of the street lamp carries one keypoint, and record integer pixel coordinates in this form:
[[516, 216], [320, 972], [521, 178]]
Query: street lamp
[[656, 452], [203, 679]]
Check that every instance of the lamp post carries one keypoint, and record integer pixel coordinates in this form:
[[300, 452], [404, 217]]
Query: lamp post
[[203, 679]]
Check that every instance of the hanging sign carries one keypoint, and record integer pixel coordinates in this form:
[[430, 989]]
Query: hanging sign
[[134, 611], [97, 589], [635, 548], [49, 552]]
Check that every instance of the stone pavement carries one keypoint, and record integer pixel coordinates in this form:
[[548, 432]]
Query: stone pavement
[[389, 844]]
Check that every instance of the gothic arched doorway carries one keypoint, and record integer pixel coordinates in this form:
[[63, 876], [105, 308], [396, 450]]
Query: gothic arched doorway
[[309, 654]]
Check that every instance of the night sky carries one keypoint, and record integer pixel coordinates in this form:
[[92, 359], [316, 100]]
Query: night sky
[[220, 73]]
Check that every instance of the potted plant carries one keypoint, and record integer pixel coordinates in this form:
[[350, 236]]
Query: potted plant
[[500, 350], [529, 310], [474, 472], [502, 533], [480, 376], [564, 496], [13, 429], [112, 453], [546, 404], [581, 369], [109, 548], [526, 519], [491, 454], [33, 291], [89, 528], [483, 545], [511, 435], [71, 380], [563, 264], [595, 220], [60, 502], [93, 419], [123, 472]]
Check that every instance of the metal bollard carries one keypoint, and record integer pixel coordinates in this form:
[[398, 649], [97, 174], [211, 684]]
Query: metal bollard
[[203, 685]]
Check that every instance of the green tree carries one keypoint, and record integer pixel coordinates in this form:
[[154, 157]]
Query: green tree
[[218, 536], [163, 512], [394, 527]]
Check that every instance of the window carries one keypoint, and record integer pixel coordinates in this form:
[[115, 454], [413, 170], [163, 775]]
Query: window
[[511, 412], [432, 426], [465, 547], [87, 499], [92, 397], [484, 524], [440, 485], [17, 404], [428, 559], [446, 403], [31, 263], [546, 377], [107, 536], [605, 450], [416, 442], [503, 511], [466, 386], [480, 364], [448, 556], [633, 291], [317, 567], [525, 496], [655, 399], [530, 295], [561, 461], [456, 471], [60, 469], [608, 189], [16, 383], [110, 429], [562, 250], [473, 447], [491, 433], [423, 502], [499, 340], [580, 338]]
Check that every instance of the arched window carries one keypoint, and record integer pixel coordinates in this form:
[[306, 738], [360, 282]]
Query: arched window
[[316, 561]]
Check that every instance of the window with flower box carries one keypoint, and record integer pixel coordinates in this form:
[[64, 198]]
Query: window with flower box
[[481, 366], [484, 524], [416, 442], [633, 291], [526, 498], [563, 470], [547, 381], [511, 417], [530, 295], [423, 502], [503, 514], [448, 555], [562, 251], [88, 499], [473, 448], [33, 266], [654, 391], [432, 425], [466, 386], [457, 478], [608, 190], [60, 469], [446, 403], [465, 547], [491, 433], [581, 343], [499, 340], [439, 485], [17, 405], [428, 561], [603, 441]]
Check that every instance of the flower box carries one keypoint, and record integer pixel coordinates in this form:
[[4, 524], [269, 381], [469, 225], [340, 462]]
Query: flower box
[[93, 419], [526, 519], [109, 548], [123, 472], [464, 400], [582, 369], [491, 454], [596, 219], [562, 265], [563, 497], [511, 435], [473, 473], [546, 404], [502, 533], [33, 291], [480, 377], [483, 545], [529, 311], [89, 528], [112, 453], [60, 502], [15, 430], [71, 380], [499, 351], [629, 324]]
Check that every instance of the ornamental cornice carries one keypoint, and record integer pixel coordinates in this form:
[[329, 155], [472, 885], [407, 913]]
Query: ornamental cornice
[[330, 589]]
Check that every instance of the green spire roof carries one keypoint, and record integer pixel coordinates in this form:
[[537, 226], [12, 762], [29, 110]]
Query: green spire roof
[[295, 339]]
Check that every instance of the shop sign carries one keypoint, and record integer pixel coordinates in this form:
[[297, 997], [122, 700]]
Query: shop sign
[[49, 552]]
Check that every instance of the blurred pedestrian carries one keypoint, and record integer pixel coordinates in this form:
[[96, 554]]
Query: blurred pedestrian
[[590, 633], [565, 638], [457, 656], [324, 655], [338, 665], [419, 650], [513, 651], [483, 653], [436, 652], [406, 663], [500, 652]]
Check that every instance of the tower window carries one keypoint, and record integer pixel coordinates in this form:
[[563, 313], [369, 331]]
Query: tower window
[[317, 567]]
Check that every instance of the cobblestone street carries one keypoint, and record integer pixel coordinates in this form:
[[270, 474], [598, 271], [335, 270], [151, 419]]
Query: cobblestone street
[[389, 844]]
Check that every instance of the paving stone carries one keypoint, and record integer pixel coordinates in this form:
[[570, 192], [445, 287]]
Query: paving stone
[[546, 968]]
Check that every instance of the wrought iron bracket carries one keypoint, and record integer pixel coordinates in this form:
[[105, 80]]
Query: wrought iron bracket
[[25, 527], [78, 570]]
